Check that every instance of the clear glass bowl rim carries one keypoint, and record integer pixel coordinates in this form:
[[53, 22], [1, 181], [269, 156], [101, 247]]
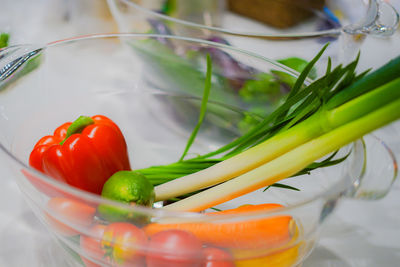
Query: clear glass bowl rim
[[290, 35], [334, 191]]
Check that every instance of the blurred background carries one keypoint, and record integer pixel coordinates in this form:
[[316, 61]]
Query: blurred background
[[359, 233]]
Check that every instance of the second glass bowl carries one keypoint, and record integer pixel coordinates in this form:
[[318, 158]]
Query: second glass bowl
[[277, 29]]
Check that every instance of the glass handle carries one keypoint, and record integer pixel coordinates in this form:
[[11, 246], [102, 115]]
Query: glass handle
[[379, 170], [382, 20]]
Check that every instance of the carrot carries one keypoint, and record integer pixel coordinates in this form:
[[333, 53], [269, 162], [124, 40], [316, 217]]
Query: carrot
[[284, 258], [234, 232]]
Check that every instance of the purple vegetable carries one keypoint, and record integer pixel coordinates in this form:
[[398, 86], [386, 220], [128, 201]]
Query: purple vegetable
[[236, 72], [159, 27]]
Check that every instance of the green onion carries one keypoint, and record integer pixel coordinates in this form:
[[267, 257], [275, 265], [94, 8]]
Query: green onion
[[379, 77], [204, 101], [291, 162], [315, 120], [316, 125]]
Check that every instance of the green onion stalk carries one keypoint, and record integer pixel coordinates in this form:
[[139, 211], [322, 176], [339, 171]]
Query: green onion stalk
[[315, 120]]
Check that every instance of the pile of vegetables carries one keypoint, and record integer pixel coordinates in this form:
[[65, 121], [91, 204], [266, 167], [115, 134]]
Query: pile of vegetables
[[314, 121]]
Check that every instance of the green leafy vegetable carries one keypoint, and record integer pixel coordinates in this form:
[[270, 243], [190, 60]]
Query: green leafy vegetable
[[169, 7], [267, 90], [264, 88], [4, 37]]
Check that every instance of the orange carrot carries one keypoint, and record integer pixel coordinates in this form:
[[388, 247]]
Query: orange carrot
[[235, 232]]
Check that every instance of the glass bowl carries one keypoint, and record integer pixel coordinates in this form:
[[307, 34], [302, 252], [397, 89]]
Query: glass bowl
[[46, 85], [277, 29]]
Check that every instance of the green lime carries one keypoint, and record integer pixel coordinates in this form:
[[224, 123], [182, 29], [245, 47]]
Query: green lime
[[128, 187]]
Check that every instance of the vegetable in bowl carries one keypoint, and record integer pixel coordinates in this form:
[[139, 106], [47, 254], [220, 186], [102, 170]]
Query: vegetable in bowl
[[159, 144], [84, 153], [335, 110], [253, 90], [235, 83], [315, 120]]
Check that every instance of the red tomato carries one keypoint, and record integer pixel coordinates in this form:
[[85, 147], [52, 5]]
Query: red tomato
[[91, 245], [215, 257], [174, 248], [64, 211], [124, 244]]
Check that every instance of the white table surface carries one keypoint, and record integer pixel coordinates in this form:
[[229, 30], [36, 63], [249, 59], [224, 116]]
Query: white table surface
[[357, 234]]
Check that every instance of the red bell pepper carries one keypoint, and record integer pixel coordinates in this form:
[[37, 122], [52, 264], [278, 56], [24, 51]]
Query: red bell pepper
[[84, 153]]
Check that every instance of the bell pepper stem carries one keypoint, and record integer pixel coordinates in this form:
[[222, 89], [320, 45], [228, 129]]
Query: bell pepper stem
[[77, 126]]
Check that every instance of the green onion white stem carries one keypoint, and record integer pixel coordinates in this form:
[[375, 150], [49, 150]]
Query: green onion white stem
[[316, 125], [290, 162]]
